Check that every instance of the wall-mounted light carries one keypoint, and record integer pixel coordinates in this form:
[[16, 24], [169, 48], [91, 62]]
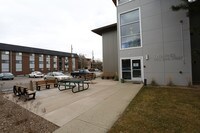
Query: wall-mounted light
[[147, 57], [191, 0]]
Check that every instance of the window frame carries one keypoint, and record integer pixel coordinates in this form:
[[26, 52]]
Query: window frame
[[5, 61], [41, 62], [48, 60], [18, 62], [140, 34], [55, 62], [66, 63], [32, 62]]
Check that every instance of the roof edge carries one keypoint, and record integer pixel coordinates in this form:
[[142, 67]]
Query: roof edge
[[115, 2], [19, 48], [107, 28]]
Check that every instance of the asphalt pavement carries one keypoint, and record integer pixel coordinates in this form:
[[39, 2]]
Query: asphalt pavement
[[7, 85]]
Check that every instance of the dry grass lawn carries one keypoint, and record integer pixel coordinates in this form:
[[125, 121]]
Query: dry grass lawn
[[161, 110]]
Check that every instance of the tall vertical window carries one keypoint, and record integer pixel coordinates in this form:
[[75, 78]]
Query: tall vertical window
[[130, 29], [19, 62], [32, 62], [55, 63], [66, 64], [5, 61], [48, 62], [41, 62]]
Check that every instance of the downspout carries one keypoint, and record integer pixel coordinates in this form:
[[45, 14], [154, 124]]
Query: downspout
[[182, 37]]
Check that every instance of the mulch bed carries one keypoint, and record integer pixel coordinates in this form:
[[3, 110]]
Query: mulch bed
[[15, 119]]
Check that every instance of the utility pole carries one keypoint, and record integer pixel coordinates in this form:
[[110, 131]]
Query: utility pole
[[71, 49], [92, 55], [92, 59]]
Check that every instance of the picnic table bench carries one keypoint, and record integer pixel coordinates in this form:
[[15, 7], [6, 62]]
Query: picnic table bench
[[76, 85], [46, 84], [53, 82], [23, 92]]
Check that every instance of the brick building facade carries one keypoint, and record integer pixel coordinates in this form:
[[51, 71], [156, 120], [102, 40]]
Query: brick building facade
[[21, 60]]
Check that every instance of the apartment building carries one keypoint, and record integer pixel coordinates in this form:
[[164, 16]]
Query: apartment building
[[22, 60]]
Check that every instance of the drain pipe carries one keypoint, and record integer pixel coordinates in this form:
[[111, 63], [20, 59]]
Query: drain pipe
[[182, 37]]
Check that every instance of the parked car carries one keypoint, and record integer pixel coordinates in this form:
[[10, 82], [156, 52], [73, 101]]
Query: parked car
[[36, 74], [9, 76], [56, 75], [82, 72], [94, 70]]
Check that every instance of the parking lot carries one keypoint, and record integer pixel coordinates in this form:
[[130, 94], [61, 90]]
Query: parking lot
[[7, 85]]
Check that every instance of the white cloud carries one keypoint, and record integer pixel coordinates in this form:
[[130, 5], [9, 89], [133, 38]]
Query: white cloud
[[56, 24]]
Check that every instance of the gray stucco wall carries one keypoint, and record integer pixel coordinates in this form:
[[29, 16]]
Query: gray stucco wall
[[110, 52], [164, 39]]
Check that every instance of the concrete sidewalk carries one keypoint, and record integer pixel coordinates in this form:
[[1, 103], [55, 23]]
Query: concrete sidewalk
[[101, 117], [91, 111]]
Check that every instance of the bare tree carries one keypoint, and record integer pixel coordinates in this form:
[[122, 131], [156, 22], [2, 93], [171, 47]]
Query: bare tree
[[82, 61]]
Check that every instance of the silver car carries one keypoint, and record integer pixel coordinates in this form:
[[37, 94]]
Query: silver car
[[56, 75], [36, 74]]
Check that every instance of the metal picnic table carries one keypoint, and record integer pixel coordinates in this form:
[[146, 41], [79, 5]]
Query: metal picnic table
[[76, 85]]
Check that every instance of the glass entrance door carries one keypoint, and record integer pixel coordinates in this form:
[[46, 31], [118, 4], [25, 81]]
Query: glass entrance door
[[126, 69], [136, 69], [132, 69]]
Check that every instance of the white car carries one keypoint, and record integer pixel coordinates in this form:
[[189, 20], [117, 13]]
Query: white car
[[36, 74], [56, 75]]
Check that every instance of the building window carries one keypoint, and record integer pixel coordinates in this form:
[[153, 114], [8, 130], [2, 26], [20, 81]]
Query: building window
[[130, 29], [55, 63], [19, 54], [32, 62], [5, 52], [123, 1], [66, 63], [19, 62], [41, 62], [5, 61], [48, 62]]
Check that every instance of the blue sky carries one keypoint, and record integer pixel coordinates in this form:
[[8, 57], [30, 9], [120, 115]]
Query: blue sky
[[56, 24]]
